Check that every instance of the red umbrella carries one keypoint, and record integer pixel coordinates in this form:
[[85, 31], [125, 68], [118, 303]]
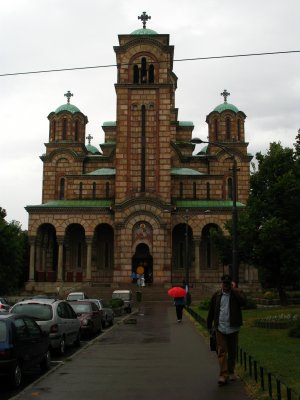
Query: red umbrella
[[176, 291]]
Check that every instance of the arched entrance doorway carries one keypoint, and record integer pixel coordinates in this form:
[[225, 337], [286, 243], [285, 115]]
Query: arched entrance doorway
[[143, 258]]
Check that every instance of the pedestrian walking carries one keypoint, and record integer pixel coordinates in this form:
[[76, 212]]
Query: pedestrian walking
[[179, 305], [225, 316]]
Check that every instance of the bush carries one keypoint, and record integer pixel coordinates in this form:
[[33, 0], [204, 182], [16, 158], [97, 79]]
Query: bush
[[116, 303], [269, 295], [295, 331], [204, 304], [251, 304]]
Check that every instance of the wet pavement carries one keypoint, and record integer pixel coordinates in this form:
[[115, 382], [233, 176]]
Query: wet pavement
[[148, 355]]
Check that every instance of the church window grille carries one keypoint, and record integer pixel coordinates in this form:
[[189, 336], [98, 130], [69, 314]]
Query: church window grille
[[216, 129], [62, 189], [64, 136], [76, 130], [80, 190], [228, 128], [107, 190], [136, 74], [151, 73], [144, 70], [239, 129], [229, 188], [94, 190]]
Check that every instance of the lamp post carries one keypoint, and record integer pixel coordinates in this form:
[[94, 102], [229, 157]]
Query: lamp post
[[235, 264]]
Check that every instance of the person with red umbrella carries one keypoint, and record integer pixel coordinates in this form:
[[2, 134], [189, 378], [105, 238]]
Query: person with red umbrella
[[178, 293]]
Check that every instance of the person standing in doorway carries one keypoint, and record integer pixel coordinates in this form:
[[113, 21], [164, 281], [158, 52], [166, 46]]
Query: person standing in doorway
[[225, 316], [179, 305]]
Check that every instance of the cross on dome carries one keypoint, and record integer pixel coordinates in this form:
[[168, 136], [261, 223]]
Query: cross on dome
[[89, 138], [144, 18], [68, 95], [225, 94]]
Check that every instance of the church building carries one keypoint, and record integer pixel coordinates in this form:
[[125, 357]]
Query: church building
[[143, 200]]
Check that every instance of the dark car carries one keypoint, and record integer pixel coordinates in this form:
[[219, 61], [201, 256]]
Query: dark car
[[4, 306], [23, 345], [107, 312], [89, 315]]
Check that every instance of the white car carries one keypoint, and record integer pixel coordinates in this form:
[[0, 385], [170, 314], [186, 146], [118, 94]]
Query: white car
[[54, 316], [108, 315], [77, 296]]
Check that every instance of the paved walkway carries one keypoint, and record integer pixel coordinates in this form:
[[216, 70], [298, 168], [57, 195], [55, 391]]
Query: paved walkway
[[151, 357]]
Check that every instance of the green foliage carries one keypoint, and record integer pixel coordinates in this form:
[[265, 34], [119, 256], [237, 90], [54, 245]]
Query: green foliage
[[294, 332], [204, 304], [13, 255], [116, 303], [250, 304]]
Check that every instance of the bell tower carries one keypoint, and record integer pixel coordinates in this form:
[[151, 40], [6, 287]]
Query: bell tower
[[145, 110]]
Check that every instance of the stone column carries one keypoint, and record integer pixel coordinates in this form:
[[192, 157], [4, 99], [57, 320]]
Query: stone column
[[59, 276], [197, 258], [88, 276], [32, 259]]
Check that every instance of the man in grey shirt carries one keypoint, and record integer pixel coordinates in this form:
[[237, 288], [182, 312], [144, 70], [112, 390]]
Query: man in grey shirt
[[225, 316]]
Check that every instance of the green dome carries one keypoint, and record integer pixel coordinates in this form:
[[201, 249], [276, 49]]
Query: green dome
[[143, 31], [226, 106], [92, 149], [67, 107]]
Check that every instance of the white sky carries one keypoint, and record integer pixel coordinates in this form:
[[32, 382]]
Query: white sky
[[51, 34]]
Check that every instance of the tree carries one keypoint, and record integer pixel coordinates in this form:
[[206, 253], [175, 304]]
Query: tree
[[13, 254]]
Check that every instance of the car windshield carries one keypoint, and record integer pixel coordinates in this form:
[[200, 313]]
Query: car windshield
[[3, 300], [3, 331], [40, 312], [81, 308]]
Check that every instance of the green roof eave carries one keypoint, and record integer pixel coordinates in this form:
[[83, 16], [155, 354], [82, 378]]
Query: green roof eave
[[103, 172], [185, 123], [67, 107], [207, 204], [109, 123], [144, 31], [73, 204], [185, 171]]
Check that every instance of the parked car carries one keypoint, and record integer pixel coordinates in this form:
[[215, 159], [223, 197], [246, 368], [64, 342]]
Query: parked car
[[4, 304], [107, 312], [77, 296], [55, 317], [23, 345], [89, 315], [126, 296]]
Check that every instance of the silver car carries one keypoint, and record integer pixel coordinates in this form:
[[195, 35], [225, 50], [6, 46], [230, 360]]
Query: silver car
[[55, 317], [107, 312]]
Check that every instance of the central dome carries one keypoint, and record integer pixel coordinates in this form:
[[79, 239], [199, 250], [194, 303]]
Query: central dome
[[67, 107], [226, 106], [144, 31]]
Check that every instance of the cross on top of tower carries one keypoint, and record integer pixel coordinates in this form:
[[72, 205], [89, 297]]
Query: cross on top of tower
[[68, 95], [144, 18], [89, 138], [225, 94]]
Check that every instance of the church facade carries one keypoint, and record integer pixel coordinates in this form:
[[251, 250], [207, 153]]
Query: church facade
[[143, 200]]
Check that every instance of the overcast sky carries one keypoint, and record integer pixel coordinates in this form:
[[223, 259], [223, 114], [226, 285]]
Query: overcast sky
[[52, 34]]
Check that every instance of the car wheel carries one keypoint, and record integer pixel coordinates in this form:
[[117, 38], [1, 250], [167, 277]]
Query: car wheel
[[45, 363], [111, 322], [62, 346], [103, 323], [77, 340], [16, 376]]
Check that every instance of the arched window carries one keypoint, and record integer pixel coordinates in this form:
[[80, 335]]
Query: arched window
[[53, 129], [144, 70], [151, 73], [216, 131], [64, 135], [80, 190], [76, 130], [62, 189], [239, 129], [136, 74], [107, 190], [208, 190], [229, 188], [194, 190], [181, 190], [228, 128], [94, 190]]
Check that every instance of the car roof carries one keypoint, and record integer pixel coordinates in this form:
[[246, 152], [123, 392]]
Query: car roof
[[39, 301], [122, 291]]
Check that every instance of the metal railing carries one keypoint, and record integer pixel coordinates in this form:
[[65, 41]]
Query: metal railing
[[277, 388]]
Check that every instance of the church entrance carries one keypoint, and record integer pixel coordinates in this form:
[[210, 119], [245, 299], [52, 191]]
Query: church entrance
[[142, 258]]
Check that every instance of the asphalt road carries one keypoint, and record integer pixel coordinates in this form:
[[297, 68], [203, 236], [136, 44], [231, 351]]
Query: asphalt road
[[148, 356]]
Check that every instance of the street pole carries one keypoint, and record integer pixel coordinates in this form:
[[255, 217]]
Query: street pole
[[234, 215], [187, 277]]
